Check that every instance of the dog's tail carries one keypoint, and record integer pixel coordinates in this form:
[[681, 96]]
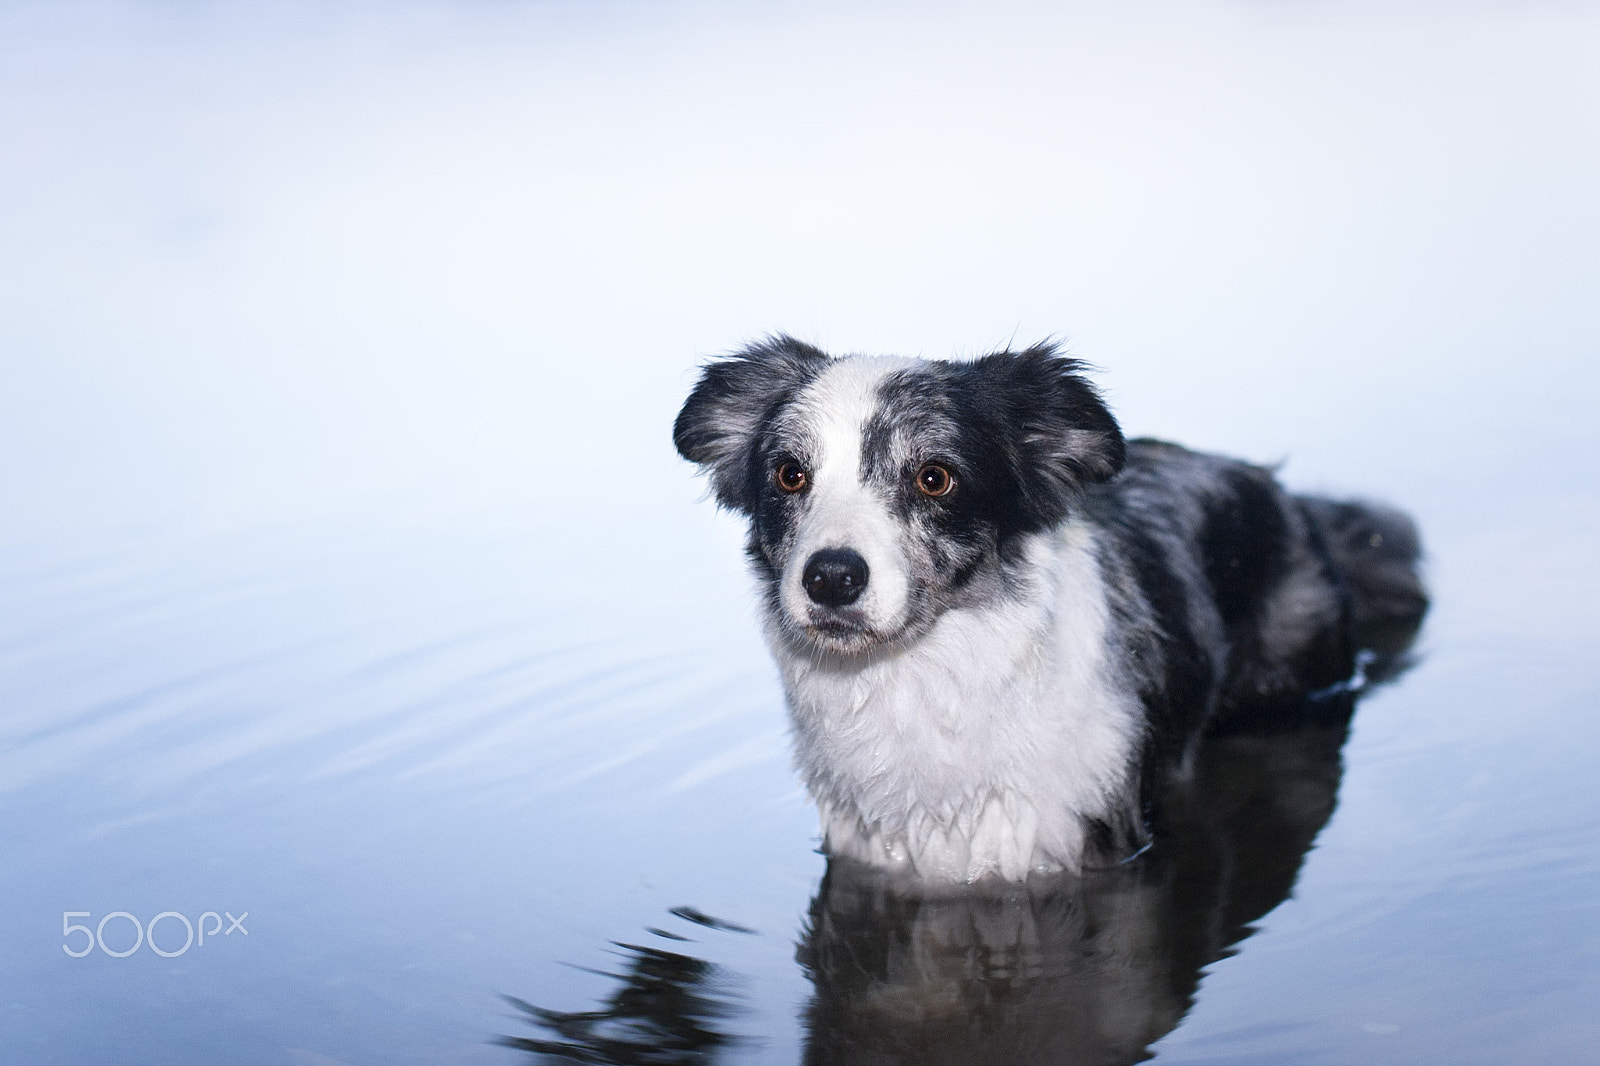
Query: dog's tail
[[1378, 556]]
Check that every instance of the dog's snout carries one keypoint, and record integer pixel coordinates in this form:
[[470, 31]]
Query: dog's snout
[[835, 577]]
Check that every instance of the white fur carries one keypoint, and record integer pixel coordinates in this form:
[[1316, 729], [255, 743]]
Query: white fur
[[841, 512], [979, 746]]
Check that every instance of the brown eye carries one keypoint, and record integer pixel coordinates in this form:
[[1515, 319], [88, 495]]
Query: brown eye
[[935, 480], [790, 477]]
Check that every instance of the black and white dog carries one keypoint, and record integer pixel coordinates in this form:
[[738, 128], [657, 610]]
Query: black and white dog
[[1001, 626]]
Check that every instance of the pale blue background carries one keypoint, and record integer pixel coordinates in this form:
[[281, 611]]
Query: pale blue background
[[347, 575]]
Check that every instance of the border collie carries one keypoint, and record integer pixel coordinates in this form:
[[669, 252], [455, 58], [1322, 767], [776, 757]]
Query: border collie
[[1001, 627]]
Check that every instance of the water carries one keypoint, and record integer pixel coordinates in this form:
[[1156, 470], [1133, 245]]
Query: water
[[350, 591]]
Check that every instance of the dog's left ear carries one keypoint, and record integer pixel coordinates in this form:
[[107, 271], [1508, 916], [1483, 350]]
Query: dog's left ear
[[1061, 434], [734, 398]]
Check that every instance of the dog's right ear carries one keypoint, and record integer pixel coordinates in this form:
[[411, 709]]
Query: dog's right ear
[[733, 400]]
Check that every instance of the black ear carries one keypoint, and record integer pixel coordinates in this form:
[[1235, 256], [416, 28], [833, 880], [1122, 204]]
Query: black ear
[[1059, 436], [733, 400]]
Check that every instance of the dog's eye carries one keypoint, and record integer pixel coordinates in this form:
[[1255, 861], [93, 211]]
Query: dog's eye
[[935, 480], [790, 477]]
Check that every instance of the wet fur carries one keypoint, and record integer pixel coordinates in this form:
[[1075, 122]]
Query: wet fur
[[1035, 653]]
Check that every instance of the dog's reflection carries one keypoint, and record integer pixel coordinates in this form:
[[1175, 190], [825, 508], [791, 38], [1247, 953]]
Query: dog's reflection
[[669, 1007], [1083, 970]]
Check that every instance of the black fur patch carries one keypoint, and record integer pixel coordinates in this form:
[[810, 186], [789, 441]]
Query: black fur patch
[[1243, 544], [1040, 430]]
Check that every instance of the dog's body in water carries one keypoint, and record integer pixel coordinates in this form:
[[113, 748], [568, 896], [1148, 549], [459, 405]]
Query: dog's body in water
[[1001, 627]]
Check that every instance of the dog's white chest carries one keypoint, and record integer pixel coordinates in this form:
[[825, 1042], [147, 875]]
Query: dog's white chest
[[983, 745]]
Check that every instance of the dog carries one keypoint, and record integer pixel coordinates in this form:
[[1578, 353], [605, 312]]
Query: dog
[[1002, 628]]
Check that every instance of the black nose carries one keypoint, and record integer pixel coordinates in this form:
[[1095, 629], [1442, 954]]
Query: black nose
[[835, 577]]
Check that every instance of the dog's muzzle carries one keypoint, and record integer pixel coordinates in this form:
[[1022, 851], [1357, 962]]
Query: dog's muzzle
[[834, 577]]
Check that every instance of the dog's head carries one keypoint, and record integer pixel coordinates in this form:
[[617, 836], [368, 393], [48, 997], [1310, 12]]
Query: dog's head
[[884, 491]]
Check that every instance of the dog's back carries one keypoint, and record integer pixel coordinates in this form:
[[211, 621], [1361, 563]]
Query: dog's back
[[1238, 599]]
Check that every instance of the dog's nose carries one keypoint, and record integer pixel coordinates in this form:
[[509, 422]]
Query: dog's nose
[[834, 577]]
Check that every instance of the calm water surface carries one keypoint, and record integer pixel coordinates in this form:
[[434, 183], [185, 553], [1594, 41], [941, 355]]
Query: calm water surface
[[357, 620], [465, 798]]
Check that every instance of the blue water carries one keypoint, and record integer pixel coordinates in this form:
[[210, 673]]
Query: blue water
[[349, 586]]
